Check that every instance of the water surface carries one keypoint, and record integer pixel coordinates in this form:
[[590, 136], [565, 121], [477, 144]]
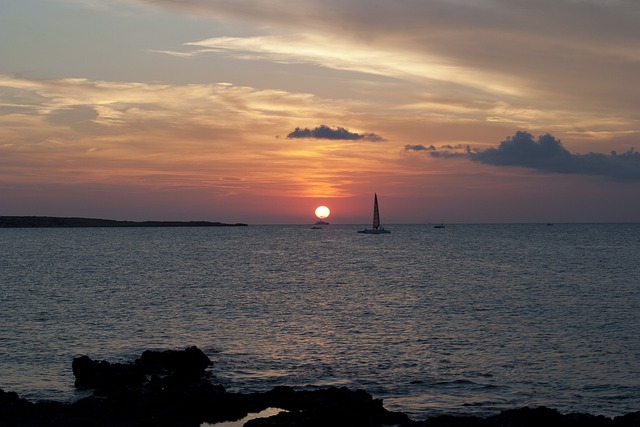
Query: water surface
[[467, 319]]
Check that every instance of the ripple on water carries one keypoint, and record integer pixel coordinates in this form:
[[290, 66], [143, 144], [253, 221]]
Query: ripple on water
[[471, 319]]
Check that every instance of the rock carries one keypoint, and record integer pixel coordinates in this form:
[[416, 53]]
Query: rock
[[175, 365], [587, 420], [103, 375], [454, 421], [528, 417], [327, 407], [169, 388], [190, 363], [629, 420], [11, 405]]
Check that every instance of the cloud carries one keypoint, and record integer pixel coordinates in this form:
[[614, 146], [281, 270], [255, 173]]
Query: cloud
[[546, 153], [445, 151], [73, 130], [427, 44], [339, 133], [339, 53], [419, 147]]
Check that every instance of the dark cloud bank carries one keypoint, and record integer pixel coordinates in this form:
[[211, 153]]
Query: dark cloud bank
[[545, 154], [325, 132]]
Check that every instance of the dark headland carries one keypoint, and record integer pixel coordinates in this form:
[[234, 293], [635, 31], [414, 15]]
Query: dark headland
[[173, 388], [53, 221]]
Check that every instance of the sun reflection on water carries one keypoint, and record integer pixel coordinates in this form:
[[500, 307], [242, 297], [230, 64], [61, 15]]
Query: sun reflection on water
[[269, 412]]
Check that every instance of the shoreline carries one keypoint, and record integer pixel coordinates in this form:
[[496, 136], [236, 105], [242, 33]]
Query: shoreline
[[79, 222], [173, 387]]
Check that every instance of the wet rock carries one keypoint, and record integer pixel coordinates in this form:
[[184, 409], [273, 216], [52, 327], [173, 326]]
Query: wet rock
[[327, 407], [453, 421], [528, 417], [12, 406], [104, 375], [190, 363], [587, 420], [629, 420], [170, 388], [173, 364]]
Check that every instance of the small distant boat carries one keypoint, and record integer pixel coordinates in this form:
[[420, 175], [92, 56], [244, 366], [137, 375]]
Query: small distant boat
[[377, 229], [315, 227], [438, 226]]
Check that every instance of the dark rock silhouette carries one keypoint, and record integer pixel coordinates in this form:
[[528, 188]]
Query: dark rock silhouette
[[190, 363], [328, 407], [169, 364], [171, 388], [104, 375]]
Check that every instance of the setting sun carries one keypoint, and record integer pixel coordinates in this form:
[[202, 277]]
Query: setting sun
[[322, 212]]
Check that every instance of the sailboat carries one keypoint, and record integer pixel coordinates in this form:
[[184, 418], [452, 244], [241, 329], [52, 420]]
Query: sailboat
[[377, 229]]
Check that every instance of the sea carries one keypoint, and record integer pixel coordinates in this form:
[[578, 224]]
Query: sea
[[467, 319]]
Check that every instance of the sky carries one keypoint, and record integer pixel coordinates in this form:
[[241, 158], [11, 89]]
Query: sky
[[258, 111]]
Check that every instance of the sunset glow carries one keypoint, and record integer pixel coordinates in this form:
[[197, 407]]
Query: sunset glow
[[202, 110]]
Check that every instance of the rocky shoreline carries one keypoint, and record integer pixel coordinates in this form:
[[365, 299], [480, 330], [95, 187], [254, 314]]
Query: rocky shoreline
[[61, 222], [172, 388]]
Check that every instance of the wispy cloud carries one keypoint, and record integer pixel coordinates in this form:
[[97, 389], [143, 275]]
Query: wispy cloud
[[558, 48], [346, 54], [129, 103], [71, 131], [546, 153], [337, 133]]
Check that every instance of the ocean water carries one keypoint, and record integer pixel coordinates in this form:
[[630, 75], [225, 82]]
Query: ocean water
[[469, 319]]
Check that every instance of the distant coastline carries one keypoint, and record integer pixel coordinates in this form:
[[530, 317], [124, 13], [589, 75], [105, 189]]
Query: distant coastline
[[52, 221]]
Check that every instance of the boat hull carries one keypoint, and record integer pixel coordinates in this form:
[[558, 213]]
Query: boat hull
[[380, 231]]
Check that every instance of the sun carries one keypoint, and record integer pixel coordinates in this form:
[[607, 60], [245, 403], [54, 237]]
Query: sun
[[322, 212]]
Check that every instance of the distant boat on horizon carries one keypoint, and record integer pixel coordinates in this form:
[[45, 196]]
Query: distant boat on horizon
[[377, 228]]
